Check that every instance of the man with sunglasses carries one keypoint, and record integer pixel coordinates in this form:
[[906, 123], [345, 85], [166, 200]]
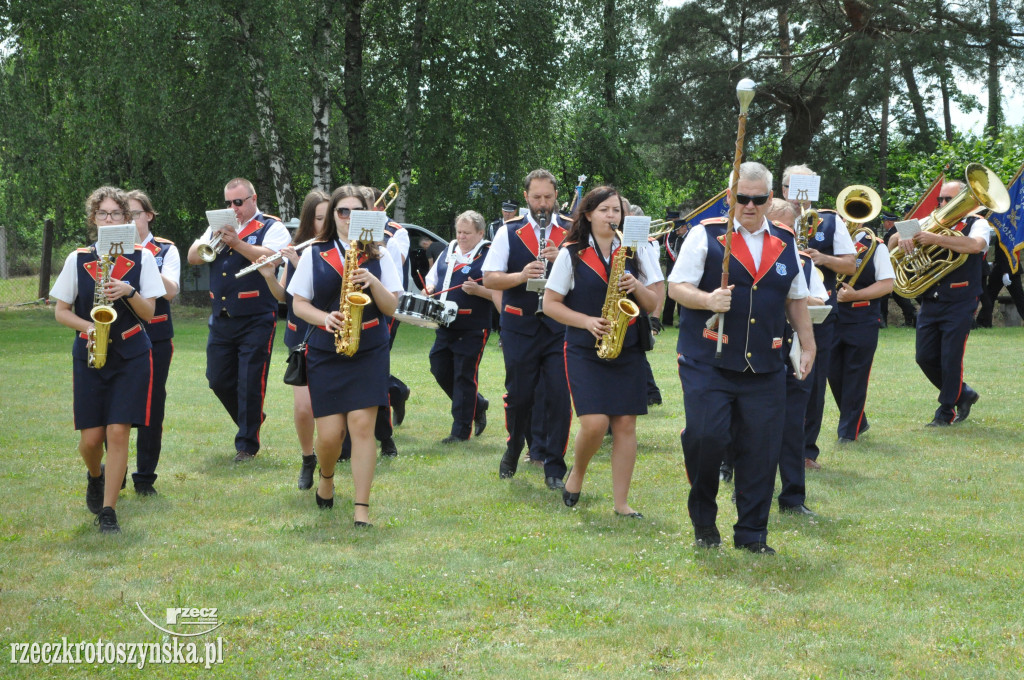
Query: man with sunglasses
[[736, 403], [244, 315], [947, 311], [832, 251]]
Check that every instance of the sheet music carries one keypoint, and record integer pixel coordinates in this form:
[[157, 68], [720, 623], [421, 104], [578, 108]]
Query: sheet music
[[818, 312], [804, 187], [367, 225], [908, 228], [635, 229], [794, 356], [222, 218], [123, 235]]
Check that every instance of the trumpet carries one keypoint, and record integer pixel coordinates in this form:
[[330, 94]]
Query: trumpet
[[858, 204], [274, 258], [662, 227], [208, 251], [393, 190]]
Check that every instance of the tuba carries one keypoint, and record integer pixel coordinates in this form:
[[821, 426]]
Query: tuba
[[618, 309], [346, 338], [927, 265], [858, 204], [102, 312]]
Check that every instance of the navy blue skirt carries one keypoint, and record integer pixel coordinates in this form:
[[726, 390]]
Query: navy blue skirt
[[615, 388], [341, 384], [119, 393]]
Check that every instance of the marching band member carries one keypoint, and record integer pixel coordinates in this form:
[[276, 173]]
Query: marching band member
[[160, 331], [244, 316], [459, 346], [947, 311], [312, 218], [604, 391], [740, 396], [857, 336], [531, 344], [110, 399], [346, 391], [832, 253]]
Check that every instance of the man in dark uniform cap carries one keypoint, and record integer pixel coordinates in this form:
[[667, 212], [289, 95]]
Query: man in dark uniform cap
[[509, 209]]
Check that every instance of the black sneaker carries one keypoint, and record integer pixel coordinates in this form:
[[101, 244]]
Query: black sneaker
[[107, 521], [94, 491], [306, 472]]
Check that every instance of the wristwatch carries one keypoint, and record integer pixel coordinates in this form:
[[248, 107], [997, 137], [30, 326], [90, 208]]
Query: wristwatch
[[131, 295]]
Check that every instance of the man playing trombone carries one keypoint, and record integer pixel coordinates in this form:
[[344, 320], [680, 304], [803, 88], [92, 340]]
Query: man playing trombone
[[244, 314]]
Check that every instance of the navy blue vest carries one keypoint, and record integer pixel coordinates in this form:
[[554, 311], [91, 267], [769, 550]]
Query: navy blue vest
[[127, 333], [328, 269], [474, 311], [518, 305], [823, 242], [295, 328], [160, 328], [248, 295], [590, 287], [964, 282], [863, 311], [403, 267], [756, 321]]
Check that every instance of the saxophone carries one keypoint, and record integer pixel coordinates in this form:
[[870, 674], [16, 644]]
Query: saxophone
[[346, 338], [102, 313], [618, 309]]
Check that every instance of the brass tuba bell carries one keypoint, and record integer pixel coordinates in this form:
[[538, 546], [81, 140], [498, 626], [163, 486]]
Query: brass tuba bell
[[858, 204]]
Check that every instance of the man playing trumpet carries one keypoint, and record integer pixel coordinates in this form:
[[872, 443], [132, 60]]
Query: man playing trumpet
[[244, 315]]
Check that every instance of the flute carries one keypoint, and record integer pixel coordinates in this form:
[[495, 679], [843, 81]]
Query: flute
[[273, 258]]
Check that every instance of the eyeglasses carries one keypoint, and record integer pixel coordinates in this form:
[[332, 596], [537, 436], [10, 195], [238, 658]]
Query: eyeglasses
[[743, 199], [343, 212], [138, 213], [237, 202], [114, 215], [943, 199]]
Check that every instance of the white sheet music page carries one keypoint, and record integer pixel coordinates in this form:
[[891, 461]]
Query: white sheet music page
[[367, 225], [222, 218], [907, 229], [122, 235], [804, 187], [635, 229]]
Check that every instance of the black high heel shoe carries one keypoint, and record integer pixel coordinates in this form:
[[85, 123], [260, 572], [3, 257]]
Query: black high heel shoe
[[570, 499], [324, 503], [363, 524]]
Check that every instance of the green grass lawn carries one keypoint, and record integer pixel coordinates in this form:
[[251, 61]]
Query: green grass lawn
[[911, 569]]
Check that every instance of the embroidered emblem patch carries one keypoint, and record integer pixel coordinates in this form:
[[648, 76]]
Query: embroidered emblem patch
[[780, 268], [159, 261], [251, 240], [819, 236]]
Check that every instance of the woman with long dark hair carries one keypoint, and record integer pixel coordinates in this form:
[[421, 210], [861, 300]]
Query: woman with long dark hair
[[345, 392], [604, 391]]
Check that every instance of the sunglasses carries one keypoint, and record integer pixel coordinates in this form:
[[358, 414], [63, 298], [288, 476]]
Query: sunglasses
[[943, 199], [237, 202], [343, 212], [743, 199]]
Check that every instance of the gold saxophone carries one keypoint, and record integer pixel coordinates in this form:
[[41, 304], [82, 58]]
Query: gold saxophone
[[618, 309], [102, 313], [346, 338]]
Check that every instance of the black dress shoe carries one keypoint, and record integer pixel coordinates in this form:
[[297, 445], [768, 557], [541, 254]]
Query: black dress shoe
[[452, 439], [554, 483], [570, 499], [94, 491], [845, 440], [243, 456], [864, 429], [963, 408], [509, 463], [480, 421], [725, 473], [398, 405], [388, 448], [939, 421], [797, 510], [757, 548], [654, 400], [144, 489], [306, 472], [707, 536]]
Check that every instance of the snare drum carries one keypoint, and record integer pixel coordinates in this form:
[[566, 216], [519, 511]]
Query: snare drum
[[420, 310]]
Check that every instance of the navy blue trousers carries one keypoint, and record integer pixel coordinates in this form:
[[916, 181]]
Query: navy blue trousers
[[852, 355], [237, 357], [738, 412], [535, 363], [150, 439], [942, 330], [454, 363], [791, 455], [823, 337]]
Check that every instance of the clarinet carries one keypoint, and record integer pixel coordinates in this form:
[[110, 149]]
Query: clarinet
[[542, 220]]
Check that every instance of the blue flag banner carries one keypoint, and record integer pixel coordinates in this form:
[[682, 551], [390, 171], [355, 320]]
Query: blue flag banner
[[716, 207], [1010, 224]]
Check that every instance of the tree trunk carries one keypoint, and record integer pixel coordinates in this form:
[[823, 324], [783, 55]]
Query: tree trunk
[[917, 102], [412, 106], [268, 126], [883, 136], [322, 103], [355, 101], [947, 117], [995, 110], [785, 47]]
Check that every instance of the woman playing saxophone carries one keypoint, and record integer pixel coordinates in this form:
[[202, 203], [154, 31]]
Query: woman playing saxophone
[[111, 394], [346, 390], [604, 390]]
